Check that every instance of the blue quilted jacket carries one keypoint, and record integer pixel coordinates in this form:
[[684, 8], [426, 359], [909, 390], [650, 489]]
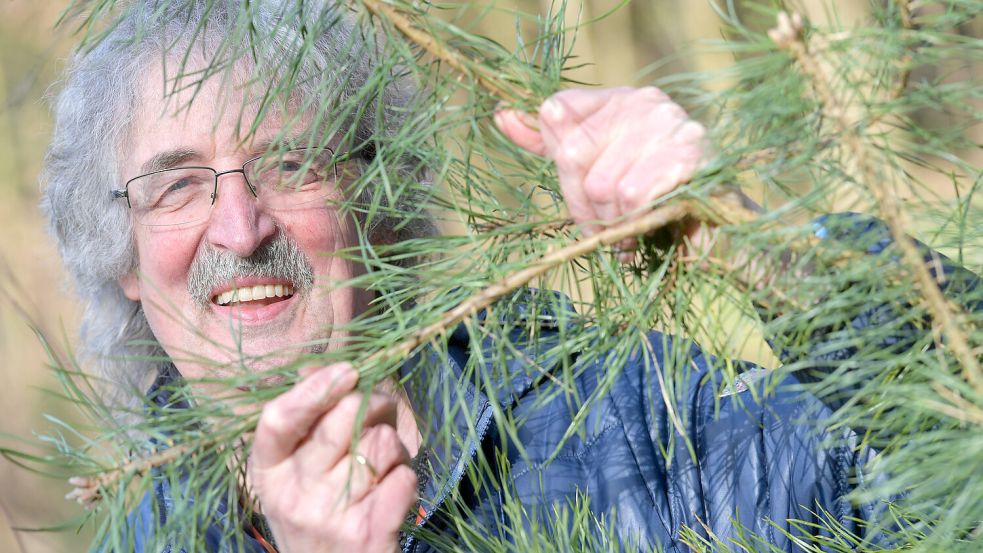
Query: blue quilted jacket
[[723, 464]]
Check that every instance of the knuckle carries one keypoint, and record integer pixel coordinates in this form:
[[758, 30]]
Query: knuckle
[[325, 435], [572, 151], [384, 437], [652, 93], [690, 156], [405, 476], [349, 406], [273, 420], [630, 192], [308, 393], [599, 189], [672, 110], [675, 174], [691, 131]]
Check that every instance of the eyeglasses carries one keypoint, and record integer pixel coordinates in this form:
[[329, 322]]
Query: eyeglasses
[[185, 195]]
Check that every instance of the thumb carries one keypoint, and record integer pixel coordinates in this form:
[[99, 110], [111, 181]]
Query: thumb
[[521, 128]]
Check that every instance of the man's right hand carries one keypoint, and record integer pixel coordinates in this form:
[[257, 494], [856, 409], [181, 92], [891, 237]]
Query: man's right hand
[[316, 494]]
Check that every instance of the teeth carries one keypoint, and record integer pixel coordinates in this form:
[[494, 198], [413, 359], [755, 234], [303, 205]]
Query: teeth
[[250, 293]]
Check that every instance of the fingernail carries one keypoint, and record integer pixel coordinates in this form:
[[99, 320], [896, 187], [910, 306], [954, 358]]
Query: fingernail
[[337, 375], [529, 119], [344, 371], [552, 110]]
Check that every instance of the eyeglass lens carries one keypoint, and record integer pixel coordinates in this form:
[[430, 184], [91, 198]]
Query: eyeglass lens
[[280, 181]]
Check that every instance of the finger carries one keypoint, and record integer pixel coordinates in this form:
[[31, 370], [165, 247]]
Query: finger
[[576, 131], [287, 420], [521, 128], [655, 178], [657, 174], [573, 152], [667, 157], [308, 370], [379, 451], [602, 184], [331, 438], [390, 501], [568, 109], [626, 249]]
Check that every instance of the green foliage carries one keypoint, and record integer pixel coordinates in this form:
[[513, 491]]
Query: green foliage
[[838, 118]]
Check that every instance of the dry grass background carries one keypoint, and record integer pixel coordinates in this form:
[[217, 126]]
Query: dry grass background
[[616, 48]]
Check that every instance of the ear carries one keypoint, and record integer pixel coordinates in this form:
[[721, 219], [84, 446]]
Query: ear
[[130, 283]]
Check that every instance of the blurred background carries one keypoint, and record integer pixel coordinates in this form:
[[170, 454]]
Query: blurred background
[[617, 49]]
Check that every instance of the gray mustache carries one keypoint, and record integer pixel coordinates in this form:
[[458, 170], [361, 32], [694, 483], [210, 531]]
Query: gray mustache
[[280, 258]]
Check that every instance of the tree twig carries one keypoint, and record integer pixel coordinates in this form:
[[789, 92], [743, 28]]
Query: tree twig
[[789, 35], [89, 489], [655, 219], [453, 58]]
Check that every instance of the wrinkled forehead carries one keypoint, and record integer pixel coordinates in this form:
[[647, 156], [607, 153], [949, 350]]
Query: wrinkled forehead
[[183, 119], [177, 93]]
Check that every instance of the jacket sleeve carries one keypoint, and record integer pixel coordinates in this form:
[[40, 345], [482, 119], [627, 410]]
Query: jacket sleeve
[[763, 472]]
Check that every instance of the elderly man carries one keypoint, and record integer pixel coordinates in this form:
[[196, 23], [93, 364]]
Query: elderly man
[[177, 229]]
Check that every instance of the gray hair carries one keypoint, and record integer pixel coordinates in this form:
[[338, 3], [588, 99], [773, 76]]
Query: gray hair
[[93, 113]]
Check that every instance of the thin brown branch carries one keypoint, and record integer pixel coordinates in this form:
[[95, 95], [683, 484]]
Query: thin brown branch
[[905, 63], [788, 34], [657, 218], [907, 23], [956, 407], [89, 489], [454, 59]]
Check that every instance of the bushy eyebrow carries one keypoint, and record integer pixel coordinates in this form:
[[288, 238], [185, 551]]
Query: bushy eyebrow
[[290, 142], [169, 159]]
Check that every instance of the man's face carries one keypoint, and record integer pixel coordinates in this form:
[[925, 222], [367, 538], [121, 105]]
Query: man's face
[[203, 337]]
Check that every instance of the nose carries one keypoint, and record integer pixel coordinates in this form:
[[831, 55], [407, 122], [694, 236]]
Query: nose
[[237, 223]]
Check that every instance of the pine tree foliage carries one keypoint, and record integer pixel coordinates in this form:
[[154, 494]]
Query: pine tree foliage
[[814, 118]]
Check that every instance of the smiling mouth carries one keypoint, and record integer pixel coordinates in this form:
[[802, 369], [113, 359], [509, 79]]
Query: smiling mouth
[[261, 294]]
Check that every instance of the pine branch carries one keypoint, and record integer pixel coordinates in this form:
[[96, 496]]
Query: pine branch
[[789, 35], [717, 207], [453, 58], [655, 219], [89, 490]]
